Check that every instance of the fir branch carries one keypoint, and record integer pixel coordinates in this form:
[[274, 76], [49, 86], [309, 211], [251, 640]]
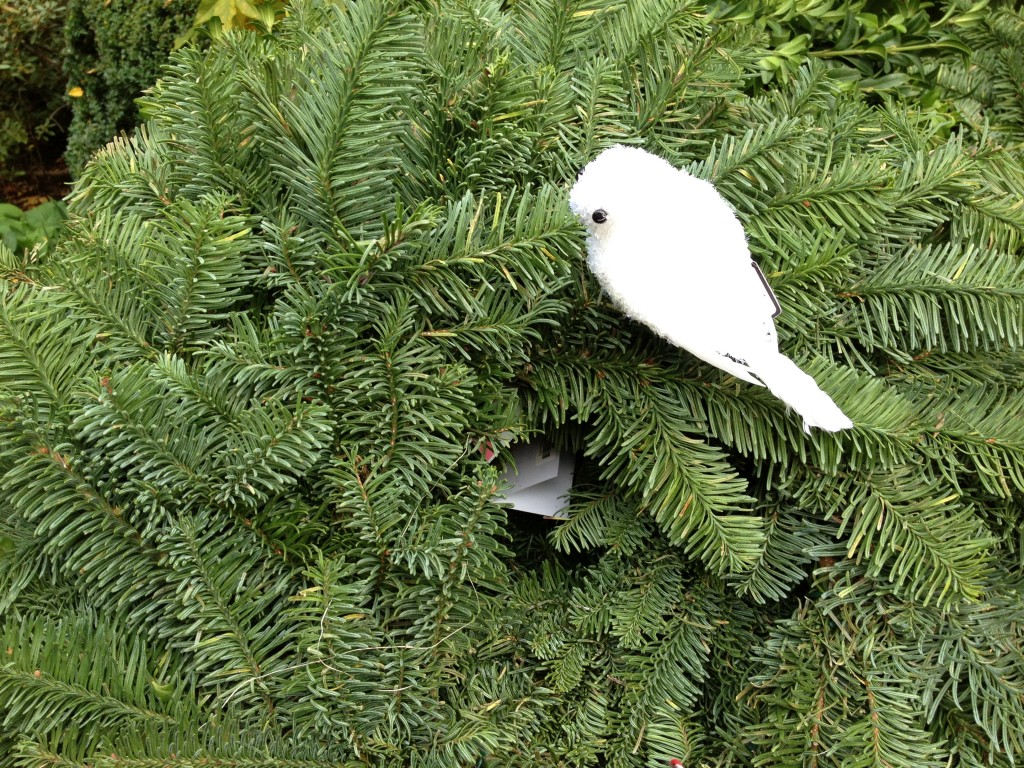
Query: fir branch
[[43, 349], [789, 539], [47, 683], [199, 267], [898, 525], [943, 299], [229, 608]]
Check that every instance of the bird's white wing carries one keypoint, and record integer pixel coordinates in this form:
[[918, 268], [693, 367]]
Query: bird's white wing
[[703, 299], [733, 308], [728, 327]]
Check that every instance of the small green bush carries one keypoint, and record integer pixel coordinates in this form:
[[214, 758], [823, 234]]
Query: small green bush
[[31, 86], [115, 51], [21, 230]]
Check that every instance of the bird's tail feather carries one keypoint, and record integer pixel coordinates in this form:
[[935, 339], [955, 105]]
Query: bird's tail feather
[[800, 392]]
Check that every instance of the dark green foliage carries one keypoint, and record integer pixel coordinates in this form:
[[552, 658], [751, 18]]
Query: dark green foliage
[[115, 49], [246, 518], [31, 86]]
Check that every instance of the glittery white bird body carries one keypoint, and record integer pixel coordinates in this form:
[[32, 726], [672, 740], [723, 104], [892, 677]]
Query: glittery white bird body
[[670, 252]]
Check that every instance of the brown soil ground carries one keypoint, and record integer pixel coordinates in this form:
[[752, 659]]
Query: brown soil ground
[[35, 183]]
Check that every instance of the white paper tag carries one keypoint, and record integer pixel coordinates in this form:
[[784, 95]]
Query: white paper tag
[[541, 478]]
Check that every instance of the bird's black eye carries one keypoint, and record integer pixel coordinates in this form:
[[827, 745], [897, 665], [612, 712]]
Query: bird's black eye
[[599, 216]]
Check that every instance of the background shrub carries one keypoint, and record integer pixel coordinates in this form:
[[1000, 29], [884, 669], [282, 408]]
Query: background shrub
[[115, 49], [875, 47], [31, 83]]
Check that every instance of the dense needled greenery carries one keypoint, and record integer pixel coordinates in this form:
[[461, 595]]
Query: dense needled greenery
[[246, 518]]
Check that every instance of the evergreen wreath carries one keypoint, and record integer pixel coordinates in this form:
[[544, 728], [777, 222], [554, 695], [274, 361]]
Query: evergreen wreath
[[246, 518]]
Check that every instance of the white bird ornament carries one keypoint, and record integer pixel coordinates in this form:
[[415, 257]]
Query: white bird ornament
[[670, 252]]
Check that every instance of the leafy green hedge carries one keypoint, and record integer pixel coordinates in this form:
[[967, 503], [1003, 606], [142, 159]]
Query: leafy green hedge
[[880, 48], [115, 49], [245, 514]]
